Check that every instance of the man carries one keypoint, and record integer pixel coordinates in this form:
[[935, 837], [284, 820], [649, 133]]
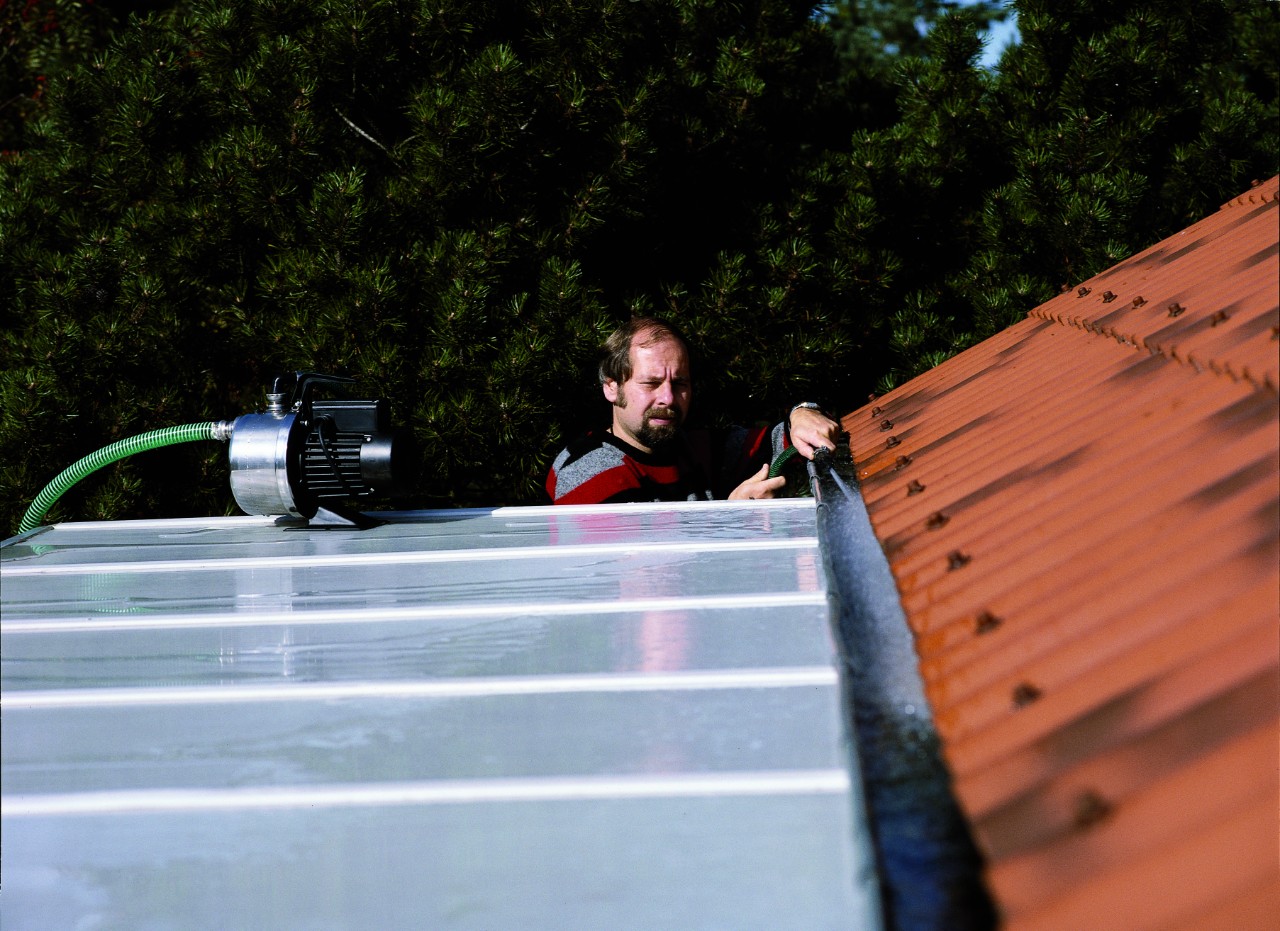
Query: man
[[646, 455]]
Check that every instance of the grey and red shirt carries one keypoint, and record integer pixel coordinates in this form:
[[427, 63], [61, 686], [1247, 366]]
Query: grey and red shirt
[[699, 465]]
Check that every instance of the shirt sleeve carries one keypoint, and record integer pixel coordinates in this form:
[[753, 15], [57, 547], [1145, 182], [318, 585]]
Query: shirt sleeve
[[593, 473], [746, 449]]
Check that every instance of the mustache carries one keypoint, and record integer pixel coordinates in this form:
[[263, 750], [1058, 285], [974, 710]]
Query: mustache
[[663, 413]]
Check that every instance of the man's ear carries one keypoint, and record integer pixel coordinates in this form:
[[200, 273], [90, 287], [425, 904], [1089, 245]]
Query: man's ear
[[610, 390]]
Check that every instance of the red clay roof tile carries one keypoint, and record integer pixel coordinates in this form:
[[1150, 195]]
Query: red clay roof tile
[[1082, 514]]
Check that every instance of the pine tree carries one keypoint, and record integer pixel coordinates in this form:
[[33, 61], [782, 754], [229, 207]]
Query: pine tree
[[455, 201], [916, 190], [41, 38], [1111, 126], [1129, 121], [878, 34], [451, 201]]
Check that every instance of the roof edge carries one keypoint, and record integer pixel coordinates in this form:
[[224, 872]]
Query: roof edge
[[930, 870]]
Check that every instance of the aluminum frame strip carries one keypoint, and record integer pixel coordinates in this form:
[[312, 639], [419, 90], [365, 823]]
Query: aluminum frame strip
[[432, 792], [807, 677]]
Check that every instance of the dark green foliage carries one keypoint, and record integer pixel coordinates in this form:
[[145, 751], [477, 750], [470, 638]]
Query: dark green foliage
[[1124, 133], [878, 34], [39, 39], [873, 37], [455, 201], [1110, 126], [452, 201]]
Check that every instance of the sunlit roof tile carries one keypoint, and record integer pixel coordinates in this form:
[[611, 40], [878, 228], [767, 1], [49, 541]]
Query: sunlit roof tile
[[1082, 515]]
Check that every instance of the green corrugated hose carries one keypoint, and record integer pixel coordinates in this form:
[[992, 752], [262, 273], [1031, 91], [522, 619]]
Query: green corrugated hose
[[775, 469], [169, 436]]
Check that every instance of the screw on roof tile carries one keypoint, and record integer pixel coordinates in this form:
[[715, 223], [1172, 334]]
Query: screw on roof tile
[[937, 520], [957, 560], [914, 488], [1090, 809], [901, 462], [1218, 317], [1082, 291], [1108, 297], [892, 442], [877, 411], [1064, 288], [1175, 309], [1025, 694], [886, 425], [986, 622], [872, 396], [1139, 301]]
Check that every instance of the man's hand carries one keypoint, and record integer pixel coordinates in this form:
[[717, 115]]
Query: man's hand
[[759, 486], [812, 430]]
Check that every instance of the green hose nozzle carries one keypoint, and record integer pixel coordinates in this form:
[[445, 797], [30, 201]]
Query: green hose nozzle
[[169, 436]]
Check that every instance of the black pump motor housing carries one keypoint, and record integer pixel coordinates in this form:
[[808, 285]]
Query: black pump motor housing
[[302, 454], [351, 450]]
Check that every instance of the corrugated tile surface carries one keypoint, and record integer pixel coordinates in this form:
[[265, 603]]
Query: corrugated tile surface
[[1082, 514]]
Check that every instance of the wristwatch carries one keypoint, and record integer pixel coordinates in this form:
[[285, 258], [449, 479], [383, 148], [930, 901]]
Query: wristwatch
[[808, 405]]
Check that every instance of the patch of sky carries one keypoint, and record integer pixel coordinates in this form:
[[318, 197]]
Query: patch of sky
[[999, 37]]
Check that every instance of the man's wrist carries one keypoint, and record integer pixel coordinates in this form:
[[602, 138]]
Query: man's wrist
[[806, 405], [803, 405]]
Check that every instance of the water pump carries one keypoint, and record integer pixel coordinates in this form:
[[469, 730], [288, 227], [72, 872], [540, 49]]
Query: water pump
[[298, 459], [302, 456]]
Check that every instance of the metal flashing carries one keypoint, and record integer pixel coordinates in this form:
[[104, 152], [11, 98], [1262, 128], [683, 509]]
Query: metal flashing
[[928, 865]]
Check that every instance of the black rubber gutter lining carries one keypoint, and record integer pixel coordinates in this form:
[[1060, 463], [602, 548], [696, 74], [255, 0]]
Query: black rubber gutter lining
[[930, 871]]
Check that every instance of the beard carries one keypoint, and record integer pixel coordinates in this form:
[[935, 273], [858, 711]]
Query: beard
[[655, 436]]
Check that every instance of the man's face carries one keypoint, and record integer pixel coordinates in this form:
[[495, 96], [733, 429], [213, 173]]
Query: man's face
[[651, 405]]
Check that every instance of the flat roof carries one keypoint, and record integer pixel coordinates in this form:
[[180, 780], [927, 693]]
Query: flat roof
[[623, 717]]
